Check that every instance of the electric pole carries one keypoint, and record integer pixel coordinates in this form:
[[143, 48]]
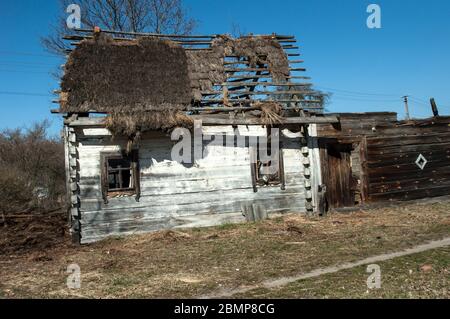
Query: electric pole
[[405, 99]]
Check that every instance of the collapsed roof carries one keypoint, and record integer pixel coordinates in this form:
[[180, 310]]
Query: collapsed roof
[[182, 73]]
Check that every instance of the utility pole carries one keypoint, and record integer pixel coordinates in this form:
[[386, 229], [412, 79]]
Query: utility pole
[[405, 99]]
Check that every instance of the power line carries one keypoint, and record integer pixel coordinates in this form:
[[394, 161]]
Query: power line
[[419, 99], [25, 63], [424, 103], [362, 99], [24, 93], [24, 71], [29, 54], [357, 93]]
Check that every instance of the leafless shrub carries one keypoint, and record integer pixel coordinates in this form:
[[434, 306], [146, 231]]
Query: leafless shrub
[[31, 171]]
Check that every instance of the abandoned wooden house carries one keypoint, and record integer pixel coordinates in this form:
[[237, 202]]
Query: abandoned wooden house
[[123, 94]]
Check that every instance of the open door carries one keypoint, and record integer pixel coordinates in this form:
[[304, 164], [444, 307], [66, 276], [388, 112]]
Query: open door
[[338, 176]]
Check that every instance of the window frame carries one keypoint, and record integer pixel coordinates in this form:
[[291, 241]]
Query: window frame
[[134, 169], [255, 163]]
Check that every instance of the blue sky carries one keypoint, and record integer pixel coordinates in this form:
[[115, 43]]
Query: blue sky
[[366, 70]]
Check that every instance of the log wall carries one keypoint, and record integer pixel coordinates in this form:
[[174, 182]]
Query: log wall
[[209, 192]]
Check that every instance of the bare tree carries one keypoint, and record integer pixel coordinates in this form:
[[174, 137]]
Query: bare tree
[[154, 16], [31, 170], [237, 31]]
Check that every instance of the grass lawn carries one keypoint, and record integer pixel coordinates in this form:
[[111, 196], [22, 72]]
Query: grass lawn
[[423, 275], [196, 262]]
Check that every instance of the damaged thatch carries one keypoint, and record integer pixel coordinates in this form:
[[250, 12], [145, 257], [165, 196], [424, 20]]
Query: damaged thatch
[[259, 51], [155, 74], [129, 123], [147, 83], [132, 124], [206, 68], [270, 112], [122, 76]]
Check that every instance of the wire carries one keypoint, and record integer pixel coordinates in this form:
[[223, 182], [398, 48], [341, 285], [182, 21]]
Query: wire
[[348, 95], [24, 93], [357, 93], [25, 63], [362, 99], [423, 103], [24, 71], [29, 54], [417, 100]]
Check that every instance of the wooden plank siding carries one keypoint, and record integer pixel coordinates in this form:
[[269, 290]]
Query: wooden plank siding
[[209, 192], [392, 171], [384, 152]]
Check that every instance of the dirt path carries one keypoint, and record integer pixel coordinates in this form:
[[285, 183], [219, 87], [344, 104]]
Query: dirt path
[[275, 283]]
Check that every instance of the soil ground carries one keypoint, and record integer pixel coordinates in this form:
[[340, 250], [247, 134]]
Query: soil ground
[[198, 262]]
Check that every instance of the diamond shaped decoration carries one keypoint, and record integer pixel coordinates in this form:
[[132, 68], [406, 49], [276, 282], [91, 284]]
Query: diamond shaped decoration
[[421, 161]]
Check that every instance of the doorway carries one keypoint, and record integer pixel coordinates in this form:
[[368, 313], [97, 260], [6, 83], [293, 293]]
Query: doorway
[[338, 177]]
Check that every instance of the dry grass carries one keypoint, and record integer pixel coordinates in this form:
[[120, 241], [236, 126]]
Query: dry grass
[[270, 112], [128, 124], [422, 275], [196, 262]]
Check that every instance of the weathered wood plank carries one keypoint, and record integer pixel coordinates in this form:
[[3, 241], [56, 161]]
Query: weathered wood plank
[[412, 194], [219, 206], [214, 185]]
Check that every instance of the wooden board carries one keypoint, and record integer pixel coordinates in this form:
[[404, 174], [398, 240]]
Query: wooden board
[[385, 155], [208, 192]]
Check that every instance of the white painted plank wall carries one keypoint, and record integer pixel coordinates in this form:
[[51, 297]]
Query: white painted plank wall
[[206, 193]]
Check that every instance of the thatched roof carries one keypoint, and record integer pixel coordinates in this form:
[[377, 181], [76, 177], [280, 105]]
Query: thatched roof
[[128, 76], [156, 74], [151, 81]]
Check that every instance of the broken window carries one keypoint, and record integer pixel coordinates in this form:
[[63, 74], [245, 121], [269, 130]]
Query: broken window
[[120, 175], [120, 172], [268, 172]]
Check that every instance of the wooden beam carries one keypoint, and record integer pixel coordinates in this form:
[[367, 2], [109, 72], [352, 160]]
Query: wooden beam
[[286, 40], [215, 120], [211, 120], [364, 170], [237, 78], [265, 84], [253, 101], [131, 39], [143, 34], [248, 63], [262, 93], [269, 36], [434, 107], [180, 41], [235, 108], [236, 62], [259, 69]]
